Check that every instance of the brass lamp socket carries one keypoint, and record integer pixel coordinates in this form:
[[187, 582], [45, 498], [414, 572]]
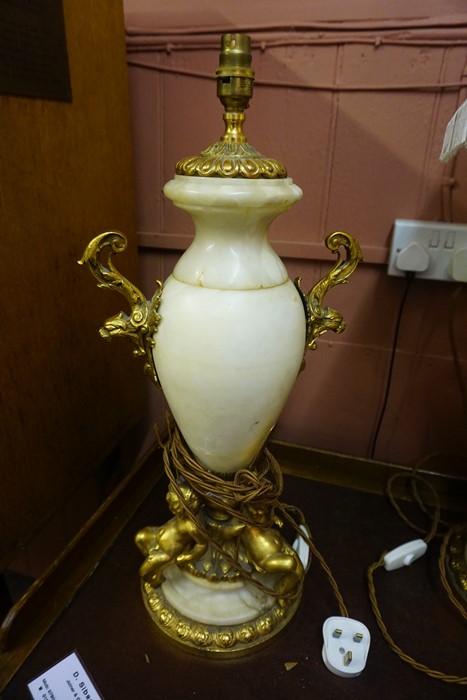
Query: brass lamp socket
[[235, 75]]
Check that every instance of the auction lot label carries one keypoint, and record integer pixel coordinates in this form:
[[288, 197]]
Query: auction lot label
[[67, 680]]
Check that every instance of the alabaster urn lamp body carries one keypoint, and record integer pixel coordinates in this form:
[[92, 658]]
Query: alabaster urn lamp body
[[224, 337], [231, 344]]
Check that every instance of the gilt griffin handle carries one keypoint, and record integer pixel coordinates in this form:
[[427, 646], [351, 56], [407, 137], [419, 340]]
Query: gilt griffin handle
[[319, 318], [142, 322]]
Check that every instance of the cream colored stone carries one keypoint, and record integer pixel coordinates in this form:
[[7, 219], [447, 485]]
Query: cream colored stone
[[219, 603], [232, 335]]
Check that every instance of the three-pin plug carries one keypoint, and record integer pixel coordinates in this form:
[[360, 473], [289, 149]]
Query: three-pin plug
[[346, 645]]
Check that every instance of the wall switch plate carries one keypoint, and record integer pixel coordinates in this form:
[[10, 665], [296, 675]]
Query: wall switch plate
[[432, 249]]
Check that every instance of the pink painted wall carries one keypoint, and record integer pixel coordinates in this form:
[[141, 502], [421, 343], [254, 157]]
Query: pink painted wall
[[354, 98]]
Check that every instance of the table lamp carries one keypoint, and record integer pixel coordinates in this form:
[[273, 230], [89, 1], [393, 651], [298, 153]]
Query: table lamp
[[224, 337]]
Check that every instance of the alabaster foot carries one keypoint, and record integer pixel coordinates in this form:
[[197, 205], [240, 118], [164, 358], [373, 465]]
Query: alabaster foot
[[217, 603]]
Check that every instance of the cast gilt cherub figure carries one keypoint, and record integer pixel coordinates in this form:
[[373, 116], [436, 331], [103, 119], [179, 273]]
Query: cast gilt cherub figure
[[266, 550], [269, 552], [178, 541]]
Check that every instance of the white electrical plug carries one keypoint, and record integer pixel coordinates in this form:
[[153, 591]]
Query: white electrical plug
[[413, 258], [346, 645], [458, 266]]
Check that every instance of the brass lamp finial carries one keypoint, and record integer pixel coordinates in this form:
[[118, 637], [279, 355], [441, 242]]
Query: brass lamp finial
[[232, 156]]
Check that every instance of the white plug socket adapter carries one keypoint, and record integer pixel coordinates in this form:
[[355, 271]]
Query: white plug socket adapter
[[346, 645]]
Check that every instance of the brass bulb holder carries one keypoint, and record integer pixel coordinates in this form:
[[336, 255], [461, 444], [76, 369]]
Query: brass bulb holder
[[235, 75], [232, 155]]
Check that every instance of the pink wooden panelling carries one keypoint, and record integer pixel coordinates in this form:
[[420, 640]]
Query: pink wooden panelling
[[336, 402], [226, 15], [362, 158]]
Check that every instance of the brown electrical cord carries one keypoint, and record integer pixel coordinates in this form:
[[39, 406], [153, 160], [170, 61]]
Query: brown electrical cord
[[262, 483], [460, 680], [415, 481], [433, 531], [435, 516]]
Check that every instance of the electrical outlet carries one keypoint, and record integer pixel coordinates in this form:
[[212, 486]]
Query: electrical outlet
[[432, 249]]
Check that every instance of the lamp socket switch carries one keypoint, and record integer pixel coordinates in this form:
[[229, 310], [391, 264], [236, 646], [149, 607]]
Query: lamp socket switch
[[431, 249], [345, 647]]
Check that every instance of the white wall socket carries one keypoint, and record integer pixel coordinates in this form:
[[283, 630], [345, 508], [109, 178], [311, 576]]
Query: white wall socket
[[432, 249]]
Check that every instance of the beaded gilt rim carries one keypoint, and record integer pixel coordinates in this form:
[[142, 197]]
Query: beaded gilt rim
[[456, 560], [228, 640]]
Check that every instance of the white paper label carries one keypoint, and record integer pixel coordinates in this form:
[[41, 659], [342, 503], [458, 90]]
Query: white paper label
[[67, 680]]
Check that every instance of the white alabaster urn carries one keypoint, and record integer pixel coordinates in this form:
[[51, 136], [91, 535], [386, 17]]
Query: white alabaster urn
[[231, 337]]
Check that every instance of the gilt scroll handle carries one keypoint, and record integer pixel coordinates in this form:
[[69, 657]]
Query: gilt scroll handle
[[141, 324], [319, 318]]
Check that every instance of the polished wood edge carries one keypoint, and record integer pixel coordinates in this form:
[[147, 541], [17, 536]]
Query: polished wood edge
[[367, 475], [30, 618]]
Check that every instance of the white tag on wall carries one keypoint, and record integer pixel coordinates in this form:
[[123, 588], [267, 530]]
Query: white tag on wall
[[67, 680]]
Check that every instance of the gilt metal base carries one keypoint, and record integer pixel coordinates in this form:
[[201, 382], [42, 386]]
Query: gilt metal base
[[216, 640], [456, 560]]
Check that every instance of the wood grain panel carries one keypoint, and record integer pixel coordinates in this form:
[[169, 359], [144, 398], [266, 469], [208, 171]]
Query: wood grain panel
[[67, 398]]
